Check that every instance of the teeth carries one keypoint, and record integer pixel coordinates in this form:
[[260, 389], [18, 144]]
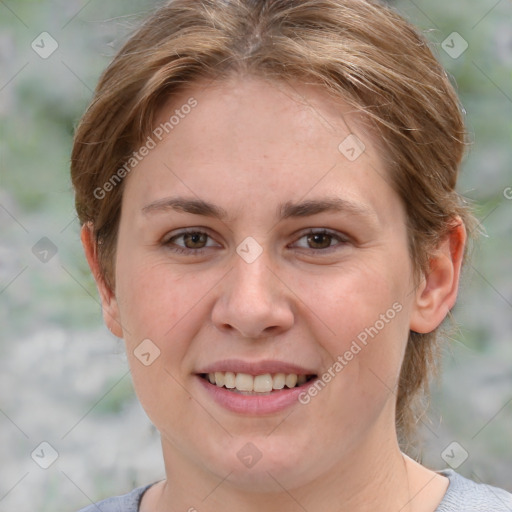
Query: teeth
[[278, 381], [244, 382], [219, 378], [291, 380], [229, 380], [263, 383], [259, 384]]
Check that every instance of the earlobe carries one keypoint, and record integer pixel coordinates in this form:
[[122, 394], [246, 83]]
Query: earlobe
[[437, 292], [108, 299]]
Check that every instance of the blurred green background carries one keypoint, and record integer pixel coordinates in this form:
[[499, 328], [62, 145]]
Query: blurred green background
[[64, 377]]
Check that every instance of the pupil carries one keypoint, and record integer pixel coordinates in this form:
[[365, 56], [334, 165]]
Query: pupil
[[195, 240], [319, 240]]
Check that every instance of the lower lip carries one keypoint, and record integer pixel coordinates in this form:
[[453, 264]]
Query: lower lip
[[253, 404]]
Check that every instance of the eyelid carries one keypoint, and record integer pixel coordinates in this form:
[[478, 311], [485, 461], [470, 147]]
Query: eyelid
[[341, 237], [166, 239], [183, 231]]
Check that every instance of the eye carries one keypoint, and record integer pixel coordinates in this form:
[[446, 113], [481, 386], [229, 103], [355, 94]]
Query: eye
[[319, 240], [192, 241], [195, 241]]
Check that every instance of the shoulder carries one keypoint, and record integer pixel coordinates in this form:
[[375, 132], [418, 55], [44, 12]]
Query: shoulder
[[125, 503], [464, 495]]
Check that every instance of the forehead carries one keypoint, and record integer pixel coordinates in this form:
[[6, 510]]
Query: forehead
[[246, 115], [247, 138]]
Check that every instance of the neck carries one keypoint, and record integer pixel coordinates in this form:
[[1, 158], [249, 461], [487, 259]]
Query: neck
[[372, 477]]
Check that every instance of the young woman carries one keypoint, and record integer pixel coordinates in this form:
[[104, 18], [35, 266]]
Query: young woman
[[267, 194]]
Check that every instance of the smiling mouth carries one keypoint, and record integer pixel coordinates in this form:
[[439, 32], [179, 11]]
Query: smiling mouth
[[265, 384]]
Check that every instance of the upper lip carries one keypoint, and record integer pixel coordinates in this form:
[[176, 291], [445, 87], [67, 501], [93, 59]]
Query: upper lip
[[255, 367]]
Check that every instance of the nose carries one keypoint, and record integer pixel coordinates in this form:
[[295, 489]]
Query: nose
[[254, 302]]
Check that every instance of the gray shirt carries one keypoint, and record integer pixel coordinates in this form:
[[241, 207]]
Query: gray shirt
[[463, 495]]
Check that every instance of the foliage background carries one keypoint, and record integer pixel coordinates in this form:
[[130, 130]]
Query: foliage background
[[64, 378]]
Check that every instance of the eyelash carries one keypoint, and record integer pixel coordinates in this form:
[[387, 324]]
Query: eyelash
[[342, 240]]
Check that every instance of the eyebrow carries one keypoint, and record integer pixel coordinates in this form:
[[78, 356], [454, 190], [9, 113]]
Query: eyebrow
[[284, 211]]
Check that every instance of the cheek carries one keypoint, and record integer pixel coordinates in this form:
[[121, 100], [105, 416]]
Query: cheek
[[158, 304], [155, 300], [352, 299], [361, 313], [366, 312]]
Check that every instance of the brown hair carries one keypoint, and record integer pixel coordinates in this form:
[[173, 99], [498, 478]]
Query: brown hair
[[361, 52]]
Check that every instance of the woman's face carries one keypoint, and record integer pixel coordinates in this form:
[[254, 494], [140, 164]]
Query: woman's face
[[256, 239]]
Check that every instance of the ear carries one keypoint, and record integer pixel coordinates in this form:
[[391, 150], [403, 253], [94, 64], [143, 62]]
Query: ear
[[437, 292], [109, 304]]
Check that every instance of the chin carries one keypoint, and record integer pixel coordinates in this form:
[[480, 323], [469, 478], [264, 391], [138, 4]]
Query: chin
[[259, 464]]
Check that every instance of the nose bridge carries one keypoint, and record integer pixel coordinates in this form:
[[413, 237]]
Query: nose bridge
[[251, 284], [253, 300]]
